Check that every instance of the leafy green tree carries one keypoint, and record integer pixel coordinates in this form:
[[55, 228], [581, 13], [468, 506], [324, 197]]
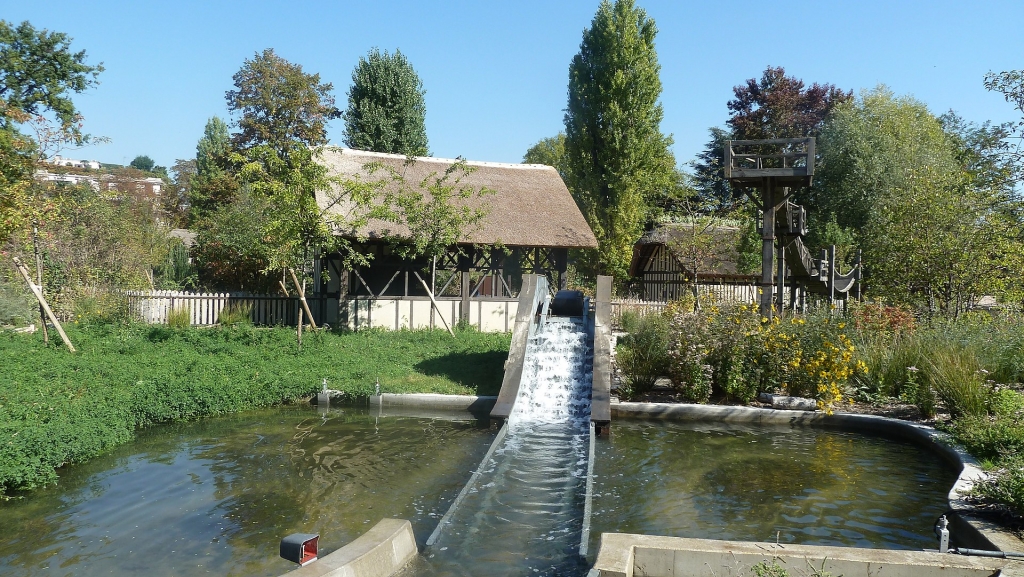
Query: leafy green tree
[[1011, 85], [549, 151], [386, 111], [935, 225], [213, 185], [279, 104], [38, 70], [143, 163], [984, 151], [617, 159], [869, 149]]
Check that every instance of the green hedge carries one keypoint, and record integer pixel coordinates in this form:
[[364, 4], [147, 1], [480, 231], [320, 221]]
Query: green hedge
[[58, 408]]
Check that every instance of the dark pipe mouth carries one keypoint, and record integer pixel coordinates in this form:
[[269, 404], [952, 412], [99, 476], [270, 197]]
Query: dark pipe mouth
[[567, 303]]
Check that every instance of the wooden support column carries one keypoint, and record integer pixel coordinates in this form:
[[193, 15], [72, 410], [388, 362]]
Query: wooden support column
[[767, 246], [464, 311], [832, 275]]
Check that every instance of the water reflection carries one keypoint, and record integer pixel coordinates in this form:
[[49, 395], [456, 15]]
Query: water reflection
[[746, 483], [218, 495]]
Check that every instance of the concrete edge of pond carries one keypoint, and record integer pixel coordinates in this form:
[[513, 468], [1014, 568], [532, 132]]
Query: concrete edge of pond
[[968, 529], [625, 555], [380, 552], [436, 401]]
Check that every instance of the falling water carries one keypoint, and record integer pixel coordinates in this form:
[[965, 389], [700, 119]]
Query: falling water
[[523, 515]]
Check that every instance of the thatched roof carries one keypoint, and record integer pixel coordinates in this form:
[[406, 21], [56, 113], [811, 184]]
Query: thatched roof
[[530, 206], [673, 236]]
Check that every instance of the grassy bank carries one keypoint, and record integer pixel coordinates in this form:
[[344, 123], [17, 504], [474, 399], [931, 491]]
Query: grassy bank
[[57, 408]]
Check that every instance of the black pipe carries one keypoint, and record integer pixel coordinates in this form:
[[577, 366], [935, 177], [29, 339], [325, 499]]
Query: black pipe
[[983, 553]]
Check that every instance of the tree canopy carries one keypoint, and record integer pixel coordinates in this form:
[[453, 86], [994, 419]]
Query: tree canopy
[[213, 185], [38, 73], [923, 197], [617, 159], [38, 70], [779, 106], [549, 151], [386, 111], [143, 162], [279, 104]]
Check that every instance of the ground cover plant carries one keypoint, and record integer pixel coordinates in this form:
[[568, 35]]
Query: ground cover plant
[[58, 408]]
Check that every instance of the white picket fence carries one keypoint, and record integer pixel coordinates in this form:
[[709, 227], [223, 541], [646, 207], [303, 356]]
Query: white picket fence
[[205, 308]]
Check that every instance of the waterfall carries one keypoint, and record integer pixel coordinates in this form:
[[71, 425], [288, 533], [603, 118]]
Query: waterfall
[[556, 382], [523, 515]]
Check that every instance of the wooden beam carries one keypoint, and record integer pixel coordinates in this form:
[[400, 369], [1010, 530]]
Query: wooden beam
[[36, 290], [434, 303], [302, 299]]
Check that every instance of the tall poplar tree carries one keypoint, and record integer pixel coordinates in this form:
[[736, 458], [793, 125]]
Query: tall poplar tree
[[386, 112], [617, 159]]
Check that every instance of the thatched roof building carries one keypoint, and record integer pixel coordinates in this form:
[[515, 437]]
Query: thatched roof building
[[668, 241], [530, 205], [663, 271], [529, 213]]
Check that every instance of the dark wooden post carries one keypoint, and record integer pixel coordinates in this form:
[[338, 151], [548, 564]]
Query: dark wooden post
[[832, 276], [767, 246], [858, 278]]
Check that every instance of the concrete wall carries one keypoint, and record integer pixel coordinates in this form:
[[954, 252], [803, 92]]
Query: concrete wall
[[626, 555], [487, 315], [380, 552]]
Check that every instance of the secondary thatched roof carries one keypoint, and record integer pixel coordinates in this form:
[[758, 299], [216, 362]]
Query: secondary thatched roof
[[530, 206], [674, 235]]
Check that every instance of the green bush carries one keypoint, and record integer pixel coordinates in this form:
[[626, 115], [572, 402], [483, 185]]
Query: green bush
[[642, 354], [688, 352], [957, 378], [1005, 484], [236, 314], [989, 438], [179, 318]]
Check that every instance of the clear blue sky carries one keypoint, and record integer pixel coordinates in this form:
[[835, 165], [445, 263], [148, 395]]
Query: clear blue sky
[[496, 72]]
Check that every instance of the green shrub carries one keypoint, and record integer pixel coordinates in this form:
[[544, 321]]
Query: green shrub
[[989, 438], [956, 377], [1005, 402], [236, 314], [769, 569], [179, 318], [642, 354], [688, 353], [1005, 485]]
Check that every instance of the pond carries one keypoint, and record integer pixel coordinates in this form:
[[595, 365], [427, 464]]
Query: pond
[[797, 485], [217, 496]]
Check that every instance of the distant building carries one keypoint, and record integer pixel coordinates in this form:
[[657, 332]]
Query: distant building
[[68, 178], [61, 161], [148, 188]]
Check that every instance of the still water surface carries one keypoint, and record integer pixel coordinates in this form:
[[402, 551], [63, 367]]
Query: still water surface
[[809, 486], [216, 496]]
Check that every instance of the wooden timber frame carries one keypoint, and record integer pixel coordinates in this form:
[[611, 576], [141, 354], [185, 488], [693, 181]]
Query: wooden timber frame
[[767, 171], [467, 272]]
